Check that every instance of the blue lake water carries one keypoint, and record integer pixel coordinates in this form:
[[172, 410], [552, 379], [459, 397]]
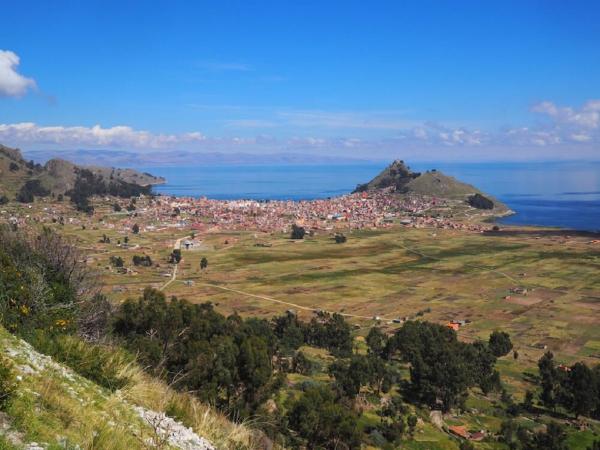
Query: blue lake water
[[551, 194]]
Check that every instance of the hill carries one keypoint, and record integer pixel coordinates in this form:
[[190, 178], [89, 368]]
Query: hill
[[48, 404], [403, 180], [58, 176]]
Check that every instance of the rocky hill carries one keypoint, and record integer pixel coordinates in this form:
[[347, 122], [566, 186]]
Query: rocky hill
[[432, 184], [58, 176]]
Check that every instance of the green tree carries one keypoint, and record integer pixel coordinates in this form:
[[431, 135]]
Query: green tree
[[321, 422], [549, 378], [500, 343], [203, 263], [350, 375], [376, 341], [412, 424], [135, 229], [298, 232], [583, 389]]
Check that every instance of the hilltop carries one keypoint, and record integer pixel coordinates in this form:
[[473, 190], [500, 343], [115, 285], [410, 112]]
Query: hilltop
[[433, 183], [59, 176]]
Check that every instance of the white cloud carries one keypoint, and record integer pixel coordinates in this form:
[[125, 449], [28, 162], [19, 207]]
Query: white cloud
[[28, 133], [12, 83], [586, 117]]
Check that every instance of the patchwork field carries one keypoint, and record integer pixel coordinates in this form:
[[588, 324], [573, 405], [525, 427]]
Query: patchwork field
[[441, 275]]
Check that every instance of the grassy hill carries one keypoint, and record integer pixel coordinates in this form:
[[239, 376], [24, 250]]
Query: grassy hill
[[54, 406], [57, 175], [430, 184]]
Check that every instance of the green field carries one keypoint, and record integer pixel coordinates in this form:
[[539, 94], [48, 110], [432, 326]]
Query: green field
[[436, 275]]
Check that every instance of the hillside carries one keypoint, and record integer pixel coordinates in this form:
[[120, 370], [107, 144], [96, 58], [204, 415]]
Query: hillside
[[52, 406], [431, 184], [58, 176]]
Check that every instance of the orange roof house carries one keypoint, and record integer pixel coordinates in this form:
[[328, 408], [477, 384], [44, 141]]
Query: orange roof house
[[453, 326], [459, 430]]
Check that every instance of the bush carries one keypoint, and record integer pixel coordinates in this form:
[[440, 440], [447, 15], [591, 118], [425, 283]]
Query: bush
[[297, 232], [30, 190], [101, 364], [8, 382], [480, 202]]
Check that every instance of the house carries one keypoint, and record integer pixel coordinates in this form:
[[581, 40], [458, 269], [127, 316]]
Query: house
[[453, 326], [477, 436], [459, 430]]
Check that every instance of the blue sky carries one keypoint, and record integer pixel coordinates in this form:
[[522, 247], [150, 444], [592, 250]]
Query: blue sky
[[432, 80]]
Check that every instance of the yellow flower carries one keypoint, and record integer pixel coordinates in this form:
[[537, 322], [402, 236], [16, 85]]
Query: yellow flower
[[24, 310]]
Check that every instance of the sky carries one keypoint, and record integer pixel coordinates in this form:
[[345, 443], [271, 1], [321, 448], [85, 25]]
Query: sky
[[422, 80]]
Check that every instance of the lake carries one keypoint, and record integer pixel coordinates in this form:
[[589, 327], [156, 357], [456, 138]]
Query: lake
[[565, 194]]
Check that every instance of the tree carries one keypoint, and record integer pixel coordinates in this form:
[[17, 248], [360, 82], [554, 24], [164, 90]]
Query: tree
[[583, 390], [554, 438], [528, 401], [116, 207], [340, 238], [350, 375], [442, 368], [3, 200], [412, 424], [393, 425], [376, 341], [144, 261], [500, 343], [298, 232], [203, 263], [175, 256], [116, 261], [322, 422], [480, 202], [135, 229], [254, 364], [549, 380]]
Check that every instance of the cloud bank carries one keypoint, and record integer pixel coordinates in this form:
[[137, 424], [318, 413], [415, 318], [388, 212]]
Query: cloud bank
[[12, 83]]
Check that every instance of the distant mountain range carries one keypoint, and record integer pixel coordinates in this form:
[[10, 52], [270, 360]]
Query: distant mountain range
[[432, 183], [180, 157]]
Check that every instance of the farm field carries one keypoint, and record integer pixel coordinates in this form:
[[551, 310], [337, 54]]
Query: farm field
[[539, 285], [440, 275]]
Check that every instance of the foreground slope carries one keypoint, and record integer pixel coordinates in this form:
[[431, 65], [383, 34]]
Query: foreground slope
[[54, 406]]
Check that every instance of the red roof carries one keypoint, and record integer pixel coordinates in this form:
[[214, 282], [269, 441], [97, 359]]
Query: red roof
[[459, 430]]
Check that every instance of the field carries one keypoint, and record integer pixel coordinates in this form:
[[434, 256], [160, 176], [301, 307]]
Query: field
[[441, 275], [539, 285]]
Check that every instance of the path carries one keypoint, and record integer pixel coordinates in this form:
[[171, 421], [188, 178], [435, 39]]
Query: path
[[281, 302], [176, 246]]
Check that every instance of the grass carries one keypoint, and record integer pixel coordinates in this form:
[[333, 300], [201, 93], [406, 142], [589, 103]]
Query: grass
[[388, 273], [56, 406]]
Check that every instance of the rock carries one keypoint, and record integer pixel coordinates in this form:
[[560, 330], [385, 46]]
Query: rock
[[176, 434]]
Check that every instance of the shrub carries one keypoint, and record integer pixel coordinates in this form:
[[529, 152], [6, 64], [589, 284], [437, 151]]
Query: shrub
[[101, 364], [8, 382]]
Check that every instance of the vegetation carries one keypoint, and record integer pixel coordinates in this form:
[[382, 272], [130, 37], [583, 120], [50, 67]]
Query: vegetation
[[30, 190], [88, 184], [480, 202], [298, 232]]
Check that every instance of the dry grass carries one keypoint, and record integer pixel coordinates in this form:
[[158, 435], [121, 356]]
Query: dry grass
[[150, 393]]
